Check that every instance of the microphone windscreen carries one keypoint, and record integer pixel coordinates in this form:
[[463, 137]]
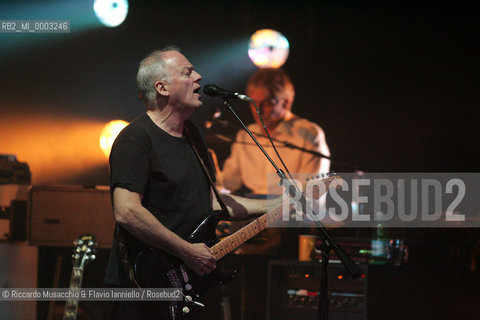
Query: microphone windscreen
[[211, 90]]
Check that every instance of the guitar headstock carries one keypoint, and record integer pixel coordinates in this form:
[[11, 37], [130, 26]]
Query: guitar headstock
[[84, 251], [320, 183]]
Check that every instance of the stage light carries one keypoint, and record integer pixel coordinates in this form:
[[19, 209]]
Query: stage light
[[111, 12], [268, 48], [109, 134]]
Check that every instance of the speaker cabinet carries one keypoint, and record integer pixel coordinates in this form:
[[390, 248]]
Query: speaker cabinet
[[59, 214]]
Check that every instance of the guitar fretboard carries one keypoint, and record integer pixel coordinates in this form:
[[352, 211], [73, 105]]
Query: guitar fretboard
[[235, 240], [71, 305]]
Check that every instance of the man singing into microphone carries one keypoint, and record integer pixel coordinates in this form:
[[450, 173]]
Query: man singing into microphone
[[246, 166], [159, 189]]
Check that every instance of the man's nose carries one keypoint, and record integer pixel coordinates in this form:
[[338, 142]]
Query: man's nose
[[198, 76]]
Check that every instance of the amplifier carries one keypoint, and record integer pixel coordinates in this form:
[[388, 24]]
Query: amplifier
[[293, 287], [59, 214]]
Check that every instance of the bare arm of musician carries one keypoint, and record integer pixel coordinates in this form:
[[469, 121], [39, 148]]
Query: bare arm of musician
[[240, 207], [135, 218]]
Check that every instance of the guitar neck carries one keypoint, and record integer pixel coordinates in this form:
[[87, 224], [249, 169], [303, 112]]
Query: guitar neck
[[71, 305], [235, 240]]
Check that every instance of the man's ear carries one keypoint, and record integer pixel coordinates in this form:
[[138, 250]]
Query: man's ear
[[162, 88]]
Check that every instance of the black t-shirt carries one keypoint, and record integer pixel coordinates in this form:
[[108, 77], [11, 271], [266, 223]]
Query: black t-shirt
[[165, 170]]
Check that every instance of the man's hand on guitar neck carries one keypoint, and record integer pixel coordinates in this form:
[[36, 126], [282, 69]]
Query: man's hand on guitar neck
[[199, 258]]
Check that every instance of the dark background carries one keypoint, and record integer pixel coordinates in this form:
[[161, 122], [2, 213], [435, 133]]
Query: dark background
[[394, 85]]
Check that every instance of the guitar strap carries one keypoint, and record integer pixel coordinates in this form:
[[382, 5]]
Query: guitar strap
[[207, 173], [122, 250]]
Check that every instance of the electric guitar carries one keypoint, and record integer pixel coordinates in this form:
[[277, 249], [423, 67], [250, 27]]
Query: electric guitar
[[83, 253], [154, 268]]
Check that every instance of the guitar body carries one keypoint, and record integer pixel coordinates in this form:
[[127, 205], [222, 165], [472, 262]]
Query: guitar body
[[156, 269]]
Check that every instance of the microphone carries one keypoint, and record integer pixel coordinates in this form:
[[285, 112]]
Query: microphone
[[214, 91]]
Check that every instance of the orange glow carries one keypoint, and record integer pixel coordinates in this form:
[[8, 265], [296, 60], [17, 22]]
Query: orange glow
[[340, 277], [57, 149], [109, 134]]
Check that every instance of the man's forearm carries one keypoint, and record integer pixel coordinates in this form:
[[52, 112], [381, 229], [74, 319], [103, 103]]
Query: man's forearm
[[145, 227], [134, 217], [141, 223], [240, 207]]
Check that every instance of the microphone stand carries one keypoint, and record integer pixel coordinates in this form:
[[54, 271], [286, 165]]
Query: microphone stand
[[224, 123], [294, 146], [328, 244]]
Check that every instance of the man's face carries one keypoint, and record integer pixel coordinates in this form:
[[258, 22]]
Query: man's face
[[272, 107], [183, 81]]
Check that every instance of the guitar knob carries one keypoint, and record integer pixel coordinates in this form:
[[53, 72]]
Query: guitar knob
[[188, 298], [185, 310], [188, 287]]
